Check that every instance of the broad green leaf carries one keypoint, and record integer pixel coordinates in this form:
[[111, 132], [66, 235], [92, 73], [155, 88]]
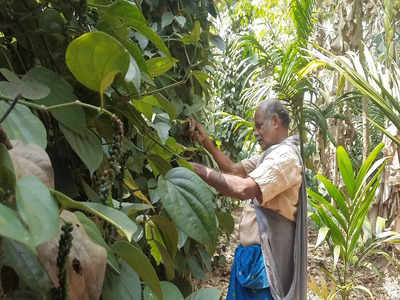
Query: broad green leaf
[[346, 170], [226, 221], [9, 90], [26, 264], [169, 291], [201, 78], [322, 232], [205, 294], [169, 233], [95, 235], [167, 19], [11, 227], [195, 268], [131, 16], [87, 145], [95, 58], [159, 65], [125, 286], [111, 215], [61, 92], [21, 124], [26, 88], [194, 37], [37, 209], [7, 172], [140, 263], [189, 202]]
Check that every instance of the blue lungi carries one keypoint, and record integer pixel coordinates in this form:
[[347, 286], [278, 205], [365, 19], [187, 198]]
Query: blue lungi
[[248, 280]]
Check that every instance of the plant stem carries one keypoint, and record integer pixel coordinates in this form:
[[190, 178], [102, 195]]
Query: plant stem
[[14, 102], [69, 104]]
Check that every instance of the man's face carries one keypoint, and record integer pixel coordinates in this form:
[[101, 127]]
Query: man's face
[[266, 129]]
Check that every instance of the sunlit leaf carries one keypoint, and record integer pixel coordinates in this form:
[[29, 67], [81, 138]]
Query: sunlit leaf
[[95, 58], [111, 215], [159, 65]]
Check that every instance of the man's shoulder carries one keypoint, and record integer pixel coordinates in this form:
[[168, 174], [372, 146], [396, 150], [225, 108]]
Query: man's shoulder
[[283, 152]]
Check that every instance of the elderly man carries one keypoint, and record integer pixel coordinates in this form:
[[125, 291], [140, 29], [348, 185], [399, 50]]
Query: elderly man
[[270, 262]]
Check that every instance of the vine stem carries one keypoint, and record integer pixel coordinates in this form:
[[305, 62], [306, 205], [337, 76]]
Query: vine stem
[[14, 102], [93, 107], [69, 104]]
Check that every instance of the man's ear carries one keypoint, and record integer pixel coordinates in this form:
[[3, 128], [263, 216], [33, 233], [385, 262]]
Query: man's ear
[[276, 121]]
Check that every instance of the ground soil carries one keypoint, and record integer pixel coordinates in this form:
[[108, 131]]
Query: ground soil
[[384, 282]]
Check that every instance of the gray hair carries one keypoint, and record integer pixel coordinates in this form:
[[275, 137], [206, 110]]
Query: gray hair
[[271, 107]]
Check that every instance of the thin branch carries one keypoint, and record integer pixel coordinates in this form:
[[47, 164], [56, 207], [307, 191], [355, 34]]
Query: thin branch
[[13, 103]]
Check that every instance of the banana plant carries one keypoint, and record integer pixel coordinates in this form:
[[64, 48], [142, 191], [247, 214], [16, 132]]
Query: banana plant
[[342, 215]]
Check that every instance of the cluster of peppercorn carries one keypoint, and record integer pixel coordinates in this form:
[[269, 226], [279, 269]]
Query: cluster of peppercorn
[[64, 246]]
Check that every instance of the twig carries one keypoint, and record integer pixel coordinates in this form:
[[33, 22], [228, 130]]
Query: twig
[[9, 109]]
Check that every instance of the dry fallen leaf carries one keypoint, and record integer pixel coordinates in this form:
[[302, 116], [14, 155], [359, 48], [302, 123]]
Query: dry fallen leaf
[[30, 159], [86, 262]]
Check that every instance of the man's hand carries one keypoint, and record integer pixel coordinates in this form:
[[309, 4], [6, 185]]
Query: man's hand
[[196, 132]]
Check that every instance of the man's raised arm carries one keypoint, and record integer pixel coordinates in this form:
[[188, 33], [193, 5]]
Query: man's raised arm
[[198, 133]]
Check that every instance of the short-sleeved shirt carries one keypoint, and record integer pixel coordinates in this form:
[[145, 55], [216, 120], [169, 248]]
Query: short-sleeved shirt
[[279, 178]]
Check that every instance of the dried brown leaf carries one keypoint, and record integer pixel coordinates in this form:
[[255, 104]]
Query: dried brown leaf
[[86, 262], [30, 159]]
